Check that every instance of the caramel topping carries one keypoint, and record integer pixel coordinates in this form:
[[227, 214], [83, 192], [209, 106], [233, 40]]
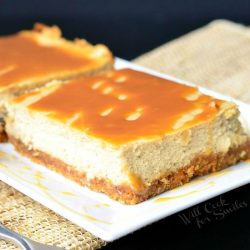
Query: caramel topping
[[23, 58], [126, 105]]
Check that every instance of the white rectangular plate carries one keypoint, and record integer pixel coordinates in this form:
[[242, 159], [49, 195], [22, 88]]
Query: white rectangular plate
[[99, 214]]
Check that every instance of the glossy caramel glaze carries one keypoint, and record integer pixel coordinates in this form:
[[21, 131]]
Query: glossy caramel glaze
[[126, 105], [23, 58]]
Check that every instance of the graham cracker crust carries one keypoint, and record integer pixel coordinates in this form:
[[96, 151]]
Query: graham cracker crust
[[200, 165]]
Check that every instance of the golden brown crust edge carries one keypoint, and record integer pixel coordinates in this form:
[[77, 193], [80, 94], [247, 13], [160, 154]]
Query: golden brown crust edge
[[3, 135], [201, 165]]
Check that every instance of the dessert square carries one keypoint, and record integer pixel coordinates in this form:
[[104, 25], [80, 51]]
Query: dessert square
[[125, 133]]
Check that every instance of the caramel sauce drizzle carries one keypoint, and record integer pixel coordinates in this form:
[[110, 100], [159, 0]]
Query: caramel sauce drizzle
[[23, 58], [125, 105]]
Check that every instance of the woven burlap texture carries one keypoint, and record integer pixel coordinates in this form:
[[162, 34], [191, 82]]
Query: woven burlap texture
[[216, 56]]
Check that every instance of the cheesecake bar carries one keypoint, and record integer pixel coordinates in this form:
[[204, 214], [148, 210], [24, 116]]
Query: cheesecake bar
[[126, 133], [31, 58]]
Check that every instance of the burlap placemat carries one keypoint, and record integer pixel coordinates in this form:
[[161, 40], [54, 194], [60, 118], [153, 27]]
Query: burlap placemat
[[217, 56]]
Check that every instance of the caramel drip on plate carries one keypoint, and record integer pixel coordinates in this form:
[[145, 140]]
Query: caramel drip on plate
[[126, 105]]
